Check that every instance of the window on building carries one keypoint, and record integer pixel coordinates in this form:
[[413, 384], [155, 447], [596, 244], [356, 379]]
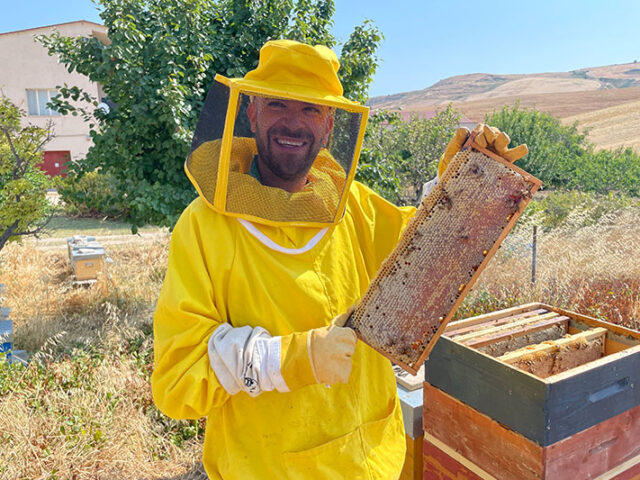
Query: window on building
[[37, 102]]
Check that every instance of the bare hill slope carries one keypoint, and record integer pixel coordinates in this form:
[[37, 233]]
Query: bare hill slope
[[477, 86], [558, 104], [605, 99], [611, 127]]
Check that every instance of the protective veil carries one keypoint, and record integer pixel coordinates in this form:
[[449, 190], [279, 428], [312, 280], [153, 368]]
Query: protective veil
[[330, 132], [287, 264]]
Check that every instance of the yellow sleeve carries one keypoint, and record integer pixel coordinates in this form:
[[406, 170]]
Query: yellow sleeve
[[378, 224], [183, 383]]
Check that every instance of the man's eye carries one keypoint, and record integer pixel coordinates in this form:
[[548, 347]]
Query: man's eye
[[276, 104], [312, 110]]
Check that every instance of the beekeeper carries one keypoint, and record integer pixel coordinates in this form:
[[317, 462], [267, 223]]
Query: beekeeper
[[263, 267]]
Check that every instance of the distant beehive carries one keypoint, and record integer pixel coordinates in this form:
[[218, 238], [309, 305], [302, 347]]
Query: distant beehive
[[81, 241], [6, 332], [87, 257], [455, 232]]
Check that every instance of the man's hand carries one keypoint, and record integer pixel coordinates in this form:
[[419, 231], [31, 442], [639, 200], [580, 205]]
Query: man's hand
[[487, 137], [251, 360], [493, 139], [331, 349]]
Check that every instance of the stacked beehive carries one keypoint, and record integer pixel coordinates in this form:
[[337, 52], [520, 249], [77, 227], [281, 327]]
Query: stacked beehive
[[87, 257], [6, 331], [532, 392], [410, 394]]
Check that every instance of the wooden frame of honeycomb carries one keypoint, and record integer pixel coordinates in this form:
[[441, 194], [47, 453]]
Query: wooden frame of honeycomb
[[453, 235]]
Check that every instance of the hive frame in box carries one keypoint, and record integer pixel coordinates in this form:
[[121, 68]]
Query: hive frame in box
[[398, 346]]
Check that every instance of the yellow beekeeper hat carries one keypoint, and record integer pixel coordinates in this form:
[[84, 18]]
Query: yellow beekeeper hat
[[291, 69]]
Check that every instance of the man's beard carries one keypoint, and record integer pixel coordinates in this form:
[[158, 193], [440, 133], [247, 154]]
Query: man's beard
[[287, 166]]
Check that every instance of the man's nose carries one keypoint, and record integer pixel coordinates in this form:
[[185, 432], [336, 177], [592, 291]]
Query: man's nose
[[292, 120]]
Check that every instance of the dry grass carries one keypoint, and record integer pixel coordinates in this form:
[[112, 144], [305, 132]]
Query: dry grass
[[612, 127], [44, 301], [593, 269], [83, 407]]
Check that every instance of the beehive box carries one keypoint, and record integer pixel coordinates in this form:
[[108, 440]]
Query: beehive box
[[87, 263], [411, 404], [453, 235], [533, 392], [6, 336], [410, 395]]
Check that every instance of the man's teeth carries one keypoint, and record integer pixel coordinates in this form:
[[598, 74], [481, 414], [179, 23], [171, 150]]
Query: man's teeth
[[289, 143]]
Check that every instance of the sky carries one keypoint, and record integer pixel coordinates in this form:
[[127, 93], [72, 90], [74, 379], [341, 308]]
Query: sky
[[430, 40]]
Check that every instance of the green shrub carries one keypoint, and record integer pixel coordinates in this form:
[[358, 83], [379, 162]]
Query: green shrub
[[608, 171], [91, 195], [554, 149], [561, 156]]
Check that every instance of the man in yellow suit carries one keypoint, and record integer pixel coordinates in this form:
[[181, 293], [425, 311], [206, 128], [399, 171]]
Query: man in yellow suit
[[263, 265]]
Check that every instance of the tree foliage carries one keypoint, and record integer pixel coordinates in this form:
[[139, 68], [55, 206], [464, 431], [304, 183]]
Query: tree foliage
[[156, 71], [561, 156], [405, 153], [554, 149], [377, 163], [24, 208]]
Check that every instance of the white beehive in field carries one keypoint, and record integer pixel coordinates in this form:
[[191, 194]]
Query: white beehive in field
[[87, 257]]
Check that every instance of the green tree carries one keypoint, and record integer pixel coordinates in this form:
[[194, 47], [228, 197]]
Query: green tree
[[24, 208], [409, 151], [562, 157], [555, 150], [377, 163], [156, 71]]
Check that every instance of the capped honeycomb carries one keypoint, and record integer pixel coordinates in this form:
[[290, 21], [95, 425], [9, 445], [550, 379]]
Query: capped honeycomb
[[455, 231]]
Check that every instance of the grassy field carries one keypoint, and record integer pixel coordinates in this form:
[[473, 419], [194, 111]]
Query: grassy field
[[63, 227], [82, 409]]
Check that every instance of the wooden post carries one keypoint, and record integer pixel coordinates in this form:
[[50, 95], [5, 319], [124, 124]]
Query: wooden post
[[533, 254]]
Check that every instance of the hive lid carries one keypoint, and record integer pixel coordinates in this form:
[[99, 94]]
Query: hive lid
[[86, 246], [79, 239], [87, 253]]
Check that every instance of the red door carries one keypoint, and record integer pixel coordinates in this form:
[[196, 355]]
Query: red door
[[55, 163]]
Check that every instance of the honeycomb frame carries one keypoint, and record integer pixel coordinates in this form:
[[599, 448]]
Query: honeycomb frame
[[454, 233]]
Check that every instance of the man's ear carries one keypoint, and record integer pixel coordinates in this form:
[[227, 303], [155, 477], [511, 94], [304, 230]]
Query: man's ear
[[251, 113]]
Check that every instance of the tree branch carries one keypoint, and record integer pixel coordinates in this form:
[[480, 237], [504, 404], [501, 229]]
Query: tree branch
[[8, 233], [19, 160]]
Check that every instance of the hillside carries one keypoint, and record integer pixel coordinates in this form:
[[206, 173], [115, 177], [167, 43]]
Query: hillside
[[604, 99], [612, 127]]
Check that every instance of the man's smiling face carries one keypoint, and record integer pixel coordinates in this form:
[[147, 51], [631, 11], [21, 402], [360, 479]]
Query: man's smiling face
[[289, 134]]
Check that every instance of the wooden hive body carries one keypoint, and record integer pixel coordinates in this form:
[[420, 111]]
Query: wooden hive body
[[502, 414], [456, 230]]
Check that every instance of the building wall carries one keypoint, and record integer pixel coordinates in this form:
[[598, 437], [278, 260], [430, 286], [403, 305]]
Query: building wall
[[25, 64]]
